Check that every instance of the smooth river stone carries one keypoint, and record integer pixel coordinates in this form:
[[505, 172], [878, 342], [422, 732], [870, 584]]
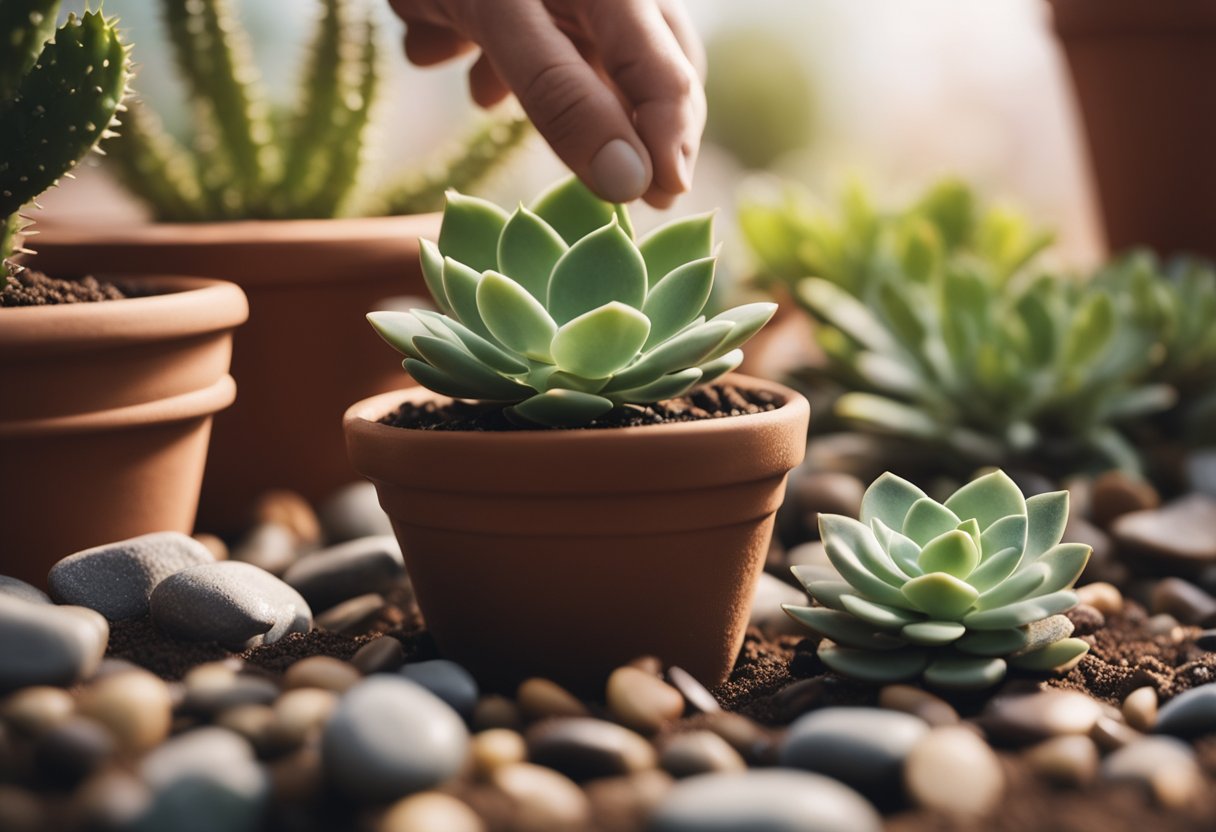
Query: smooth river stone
[[354, 511], [699, 752], [43, 644], [117, 579], [641, 700], [1165, 765], [584, 748], [357, 567], [390, 737], [1022, 719], [230, 602], [17, 588], [772, 800], [862, 747], [1189, 714], [952, 770], [1182, 532], [447, 680]]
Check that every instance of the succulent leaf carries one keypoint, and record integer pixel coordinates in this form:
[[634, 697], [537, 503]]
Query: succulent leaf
[[598, 343], [460, 285], [670, 246], [842, 628], [860, 664], [432, 272], [514, 317], [470, 231], [573, 210], [889, 499], [602, 267], [1046, 517], [562, 408], [664, 387], [927, 519], [720, 366], [528, 249], [953, 552], [678, 298]]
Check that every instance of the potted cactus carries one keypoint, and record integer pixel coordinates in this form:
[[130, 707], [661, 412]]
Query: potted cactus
[[272, 204], [557, 524], [107, 407], [956, 591]]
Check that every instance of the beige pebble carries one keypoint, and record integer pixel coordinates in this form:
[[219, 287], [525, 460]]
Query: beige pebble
[[651, 664], [110, 799], [218, 548], [918, 702], [290, 510], [641, 700], [699, 752], [625, 804], [1112, 734], [539, 698], [383, 653], [35, 709], [134, 705], [430, 812], [322, 672], [1166, 765], [298, 715], [1069, 760], [1164, 624], [1105, 598], [952, 770], [1140, 708], [250, 721], [494, 711], [494, 748], [297, 777], [544, 800]]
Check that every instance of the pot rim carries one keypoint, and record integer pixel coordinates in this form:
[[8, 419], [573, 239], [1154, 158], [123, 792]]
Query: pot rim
[[191, 306], [1133, 18], [757, 446]]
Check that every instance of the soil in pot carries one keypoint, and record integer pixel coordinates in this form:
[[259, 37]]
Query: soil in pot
[[33, 288]]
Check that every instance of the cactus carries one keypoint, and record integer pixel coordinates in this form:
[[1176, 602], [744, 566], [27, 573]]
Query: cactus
[[556, 313], [244, 164], [57, 101]]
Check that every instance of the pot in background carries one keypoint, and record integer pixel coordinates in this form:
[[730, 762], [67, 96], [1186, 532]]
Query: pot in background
[[566, 553], [105, 416], [1143, 73], [305, 354]]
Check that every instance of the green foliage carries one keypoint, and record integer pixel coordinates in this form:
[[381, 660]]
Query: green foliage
[[57, 101], [557, 313], [956, 591], [938, 330], [247, 163]]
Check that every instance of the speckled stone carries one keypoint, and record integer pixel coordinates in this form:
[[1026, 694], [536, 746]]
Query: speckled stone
[[43, 644], [357, 567], [230, 602], [771, 800], [117, 579]]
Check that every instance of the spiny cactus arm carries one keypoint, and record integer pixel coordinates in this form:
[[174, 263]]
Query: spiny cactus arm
[[478, 157], [63, 107], [9, 228], [27, 25], [153, 167], [214, 60]]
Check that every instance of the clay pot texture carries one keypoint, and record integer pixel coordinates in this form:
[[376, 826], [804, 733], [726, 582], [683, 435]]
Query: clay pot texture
[[566, 553], [307, 351], [1143, 73], [105, 413]]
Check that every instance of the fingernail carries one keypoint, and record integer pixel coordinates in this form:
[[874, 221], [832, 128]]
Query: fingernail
[[618, 172]]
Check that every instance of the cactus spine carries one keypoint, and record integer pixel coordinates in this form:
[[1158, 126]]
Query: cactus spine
[[57, 101]]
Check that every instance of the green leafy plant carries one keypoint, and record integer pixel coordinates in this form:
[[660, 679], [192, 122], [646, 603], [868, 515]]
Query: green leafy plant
[[557, 313], [936, 330], [59, 92], [955, 591], [248, 161]]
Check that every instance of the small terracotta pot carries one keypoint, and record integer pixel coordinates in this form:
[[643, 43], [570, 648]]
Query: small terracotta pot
[[305, 354], [1144, 73], [567, 553], [105, 413]]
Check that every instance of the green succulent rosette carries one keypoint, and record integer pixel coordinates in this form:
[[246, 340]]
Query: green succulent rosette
[[557, 313], [954, 592]]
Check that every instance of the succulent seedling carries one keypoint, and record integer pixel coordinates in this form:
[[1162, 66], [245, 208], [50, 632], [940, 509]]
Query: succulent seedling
[[59, 91], [956, 591], [557, 313]]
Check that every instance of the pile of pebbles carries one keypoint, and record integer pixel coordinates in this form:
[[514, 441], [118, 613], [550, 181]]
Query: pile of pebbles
[[286, 682]]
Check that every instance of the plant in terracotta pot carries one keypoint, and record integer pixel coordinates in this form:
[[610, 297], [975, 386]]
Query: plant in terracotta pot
[[271, 203], [109, 389], [555, 520]]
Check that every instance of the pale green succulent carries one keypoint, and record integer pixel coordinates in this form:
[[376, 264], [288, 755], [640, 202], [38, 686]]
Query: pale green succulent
[[555, 312], [956, 591]]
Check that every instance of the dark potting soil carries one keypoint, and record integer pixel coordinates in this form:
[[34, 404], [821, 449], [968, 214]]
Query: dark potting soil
[[33, 288], [713, 401]]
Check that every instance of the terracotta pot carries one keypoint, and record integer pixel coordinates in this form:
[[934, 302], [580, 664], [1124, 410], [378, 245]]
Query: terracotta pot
[[305, 354], [567, 553], [1143, 73], [105, 414]]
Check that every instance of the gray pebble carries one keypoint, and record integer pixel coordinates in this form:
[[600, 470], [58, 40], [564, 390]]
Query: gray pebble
[[766, 612], [1166, 766], [764, 801], [357, 567], [354, 511], [699, 752], [216, 686], [390, 737], [73, 749], [17, 588], [268, 546], [862, 747], [43, 644], [117, 579], [380, 655], [203, 780], [353, 616], [1022, 719], [1182, 532], [1201, 470], [1185, 601], [695, 694], [583, 748], [447, 680], [1189, 714], [233, 603]]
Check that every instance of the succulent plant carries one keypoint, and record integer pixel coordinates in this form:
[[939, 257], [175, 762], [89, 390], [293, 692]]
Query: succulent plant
[[245, 163], [555, 312], [955, 592], [58, 98]]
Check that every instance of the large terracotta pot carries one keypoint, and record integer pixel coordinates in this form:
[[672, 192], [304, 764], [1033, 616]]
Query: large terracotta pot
[[567, 553], [1144, 72], [105, 412], [305, 354]]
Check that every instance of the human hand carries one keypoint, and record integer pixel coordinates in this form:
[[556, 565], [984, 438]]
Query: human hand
[[614, 86]]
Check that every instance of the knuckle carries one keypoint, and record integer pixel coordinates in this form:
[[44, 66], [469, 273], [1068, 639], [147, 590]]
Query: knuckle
[[555, 98]]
